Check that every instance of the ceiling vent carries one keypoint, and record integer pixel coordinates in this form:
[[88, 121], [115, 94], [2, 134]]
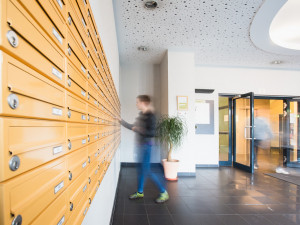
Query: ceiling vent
[[151, 4]]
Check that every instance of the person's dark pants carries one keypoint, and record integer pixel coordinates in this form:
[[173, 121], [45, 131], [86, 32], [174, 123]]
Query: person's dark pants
[[145, 170]]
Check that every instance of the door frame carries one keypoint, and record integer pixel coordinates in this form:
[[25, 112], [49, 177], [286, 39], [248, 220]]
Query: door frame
[[229, 161], [287, 143], [235, 164]]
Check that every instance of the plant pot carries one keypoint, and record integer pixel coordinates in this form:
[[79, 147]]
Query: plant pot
[[170, 169]]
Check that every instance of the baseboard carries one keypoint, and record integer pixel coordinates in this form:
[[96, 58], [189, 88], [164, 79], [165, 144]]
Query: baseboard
[[186, 174], [207, 165], [134, 164], [115, 200]]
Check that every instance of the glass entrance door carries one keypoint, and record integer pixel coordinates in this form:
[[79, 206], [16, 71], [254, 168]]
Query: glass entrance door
[[292, 136], [225, 131], [243, 132]]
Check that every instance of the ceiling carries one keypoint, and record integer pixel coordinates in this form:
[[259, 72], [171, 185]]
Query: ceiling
[[216, 30]]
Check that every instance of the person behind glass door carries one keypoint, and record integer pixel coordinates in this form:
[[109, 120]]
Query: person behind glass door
[[144, 127], [262, 135]]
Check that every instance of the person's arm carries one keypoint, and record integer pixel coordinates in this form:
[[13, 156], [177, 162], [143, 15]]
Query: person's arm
[[127, 125]]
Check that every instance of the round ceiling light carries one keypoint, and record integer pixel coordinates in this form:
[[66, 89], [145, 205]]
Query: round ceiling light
[[143, 48], [151, 4]]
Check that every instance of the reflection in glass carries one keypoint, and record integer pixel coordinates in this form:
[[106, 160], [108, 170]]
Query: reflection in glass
[[223, 129], [243, 137], [293, 131]]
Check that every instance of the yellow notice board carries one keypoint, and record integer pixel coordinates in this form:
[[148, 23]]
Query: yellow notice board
[[182, 103]]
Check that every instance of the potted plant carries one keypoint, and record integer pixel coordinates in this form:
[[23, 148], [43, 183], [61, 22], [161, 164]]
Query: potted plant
[[170, 131]]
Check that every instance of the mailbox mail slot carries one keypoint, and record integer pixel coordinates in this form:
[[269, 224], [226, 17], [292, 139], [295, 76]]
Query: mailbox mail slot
[[93, 152], [76, 135], [77, 162], [75, 81], [61, 5], [76, 108], [21, 22], [82, 8], [77, 190], [75, 53], [28, 195], [26, 93], [75, 30], [28, 144], [92, 110], [74, 12], [56, 213], [79, 213], [49, 18]]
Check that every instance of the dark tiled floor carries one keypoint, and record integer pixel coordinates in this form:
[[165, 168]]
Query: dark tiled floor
[[215, 196]]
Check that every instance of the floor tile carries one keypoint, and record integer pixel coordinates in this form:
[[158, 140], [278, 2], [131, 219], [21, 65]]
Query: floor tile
[[232, 220], [136, 220], [157, 209], [160, 220], [215, 196], [135, 209]]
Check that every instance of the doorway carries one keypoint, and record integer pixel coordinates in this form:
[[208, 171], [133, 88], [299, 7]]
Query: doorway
[[236, 140]]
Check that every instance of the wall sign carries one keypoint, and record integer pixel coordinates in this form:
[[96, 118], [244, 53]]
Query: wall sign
[[182, 103], [204, 113]]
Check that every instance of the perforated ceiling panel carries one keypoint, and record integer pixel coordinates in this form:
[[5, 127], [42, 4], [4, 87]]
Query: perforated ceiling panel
[[216, 30]]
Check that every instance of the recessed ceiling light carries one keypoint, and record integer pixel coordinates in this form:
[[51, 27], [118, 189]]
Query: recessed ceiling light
[[143, 48], [276, 62], [151, 4]]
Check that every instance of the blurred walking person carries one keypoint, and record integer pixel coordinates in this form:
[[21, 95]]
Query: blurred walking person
[[144, 127]]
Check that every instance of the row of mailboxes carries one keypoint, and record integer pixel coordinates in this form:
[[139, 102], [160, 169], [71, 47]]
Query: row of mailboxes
[[68, 182], [29, 94], [28, 143], [58, 111], [23, 43]]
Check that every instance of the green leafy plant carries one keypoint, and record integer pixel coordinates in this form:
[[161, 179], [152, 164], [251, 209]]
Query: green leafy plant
[[171, 130]]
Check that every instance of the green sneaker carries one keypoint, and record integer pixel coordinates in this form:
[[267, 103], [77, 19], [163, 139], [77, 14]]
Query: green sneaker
[[163, 197], [136, 195]]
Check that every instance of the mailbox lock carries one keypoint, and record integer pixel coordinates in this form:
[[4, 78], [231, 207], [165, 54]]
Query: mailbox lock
[[12, 38], [17, 220], [89, 180], [90, 201], [70, 20], [71, 206], [69, 144], [89, 159], [69, 113], [88, 138], [88, 95], [13, 101], [69, 82], [14, 163], [69, 51], [88, 117], [70, 175]]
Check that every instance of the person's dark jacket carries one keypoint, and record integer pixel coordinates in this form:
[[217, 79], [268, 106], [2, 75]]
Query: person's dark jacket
[[145, 125]]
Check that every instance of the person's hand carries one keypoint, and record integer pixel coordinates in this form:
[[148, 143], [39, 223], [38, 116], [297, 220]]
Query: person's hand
[[136, 129]]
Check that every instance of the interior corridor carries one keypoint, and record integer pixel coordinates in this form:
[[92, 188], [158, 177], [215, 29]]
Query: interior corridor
[[215, 196]]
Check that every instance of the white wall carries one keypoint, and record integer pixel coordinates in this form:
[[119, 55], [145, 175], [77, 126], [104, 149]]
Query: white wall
[[164, 85], [181, 75], [242, 80], [104, 17], [102, 205], [137, 79], [239, 81]]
